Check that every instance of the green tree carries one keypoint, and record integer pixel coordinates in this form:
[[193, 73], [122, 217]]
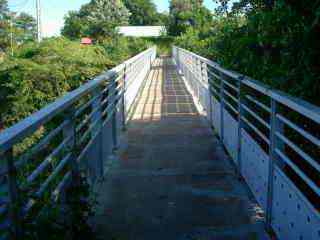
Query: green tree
[[163, 18], [73, 25], [185, 14], [143, 12], [96, 19]]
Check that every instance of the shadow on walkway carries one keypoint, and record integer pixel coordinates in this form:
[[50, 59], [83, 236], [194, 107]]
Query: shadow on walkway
[[173, 179]]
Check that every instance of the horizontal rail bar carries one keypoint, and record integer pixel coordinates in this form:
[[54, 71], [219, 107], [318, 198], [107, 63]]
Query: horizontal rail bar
[[305, 178], [299, 151], [256, 130], [230, 96], [47, 161], [87, 119], [299, 130], [66, 178], [38, 147], [213, 74], [86, 105], [230, 85], [53, 175], [231, 107], [263, 106], [256, 116], [213, 90], [214, 84]]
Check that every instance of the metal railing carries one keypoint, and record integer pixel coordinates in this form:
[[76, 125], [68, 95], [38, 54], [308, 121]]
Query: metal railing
[[42, 154], [273, 139]]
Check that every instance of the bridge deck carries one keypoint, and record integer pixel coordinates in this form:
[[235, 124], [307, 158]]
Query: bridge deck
[[173, 179]]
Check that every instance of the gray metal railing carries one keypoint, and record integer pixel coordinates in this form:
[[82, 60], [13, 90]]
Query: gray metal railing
[[71, 136], [273, 139]]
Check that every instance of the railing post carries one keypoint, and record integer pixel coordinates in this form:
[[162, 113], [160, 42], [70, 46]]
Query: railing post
[[96, 161], [221, 108], [179, 59], [123, 98], [114, 113], [198, 77], [272, 147], [191, 72], [69, 131], [204, 78], [239, 125], [14, 197], [194, 76], [177, 56], [181, 66], [150, 61]]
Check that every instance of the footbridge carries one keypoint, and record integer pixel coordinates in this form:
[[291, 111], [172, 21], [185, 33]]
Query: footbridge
[[173, 148]]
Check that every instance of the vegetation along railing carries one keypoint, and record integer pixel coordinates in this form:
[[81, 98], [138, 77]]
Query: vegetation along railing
[[44, 153], [272, 138]]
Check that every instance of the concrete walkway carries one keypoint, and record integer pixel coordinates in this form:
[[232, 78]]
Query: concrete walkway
[[173, 179]]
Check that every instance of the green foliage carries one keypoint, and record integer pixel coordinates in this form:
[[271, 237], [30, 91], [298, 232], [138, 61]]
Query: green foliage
[[119, 48], [143, 12], [192, 41], [96, 19], [65, 219], [164, 44], [272, 41], [39, 73], [185, 14]]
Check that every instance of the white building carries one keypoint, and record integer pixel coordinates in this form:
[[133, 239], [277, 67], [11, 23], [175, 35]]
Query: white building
[[142, 31]]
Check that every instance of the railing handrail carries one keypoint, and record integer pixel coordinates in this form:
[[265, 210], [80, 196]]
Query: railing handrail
[[305, 108], [275, 151], [80, 141], [13, 134]]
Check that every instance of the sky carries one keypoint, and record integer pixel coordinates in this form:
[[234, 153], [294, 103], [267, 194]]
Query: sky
[[53, 11]]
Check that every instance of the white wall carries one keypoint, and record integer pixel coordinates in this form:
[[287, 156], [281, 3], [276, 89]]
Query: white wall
[[142, 31]]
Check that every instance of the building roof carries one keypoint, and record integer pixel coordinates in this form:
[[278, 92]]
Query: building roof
[[86, 41]]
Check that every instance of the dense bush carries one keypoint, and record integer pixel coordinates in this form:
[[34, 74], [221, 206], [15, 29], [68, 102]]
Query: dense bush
[[275, 44], [38, 74], [119, 48]]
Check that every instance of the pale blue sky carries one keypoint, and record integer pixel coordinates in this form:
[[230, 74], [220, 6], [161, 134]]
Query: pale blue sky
[[53, 11]]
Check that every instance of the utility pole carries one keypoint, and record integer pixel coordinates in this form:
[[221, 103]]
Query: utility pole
[[11, 33], [39, 30]]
